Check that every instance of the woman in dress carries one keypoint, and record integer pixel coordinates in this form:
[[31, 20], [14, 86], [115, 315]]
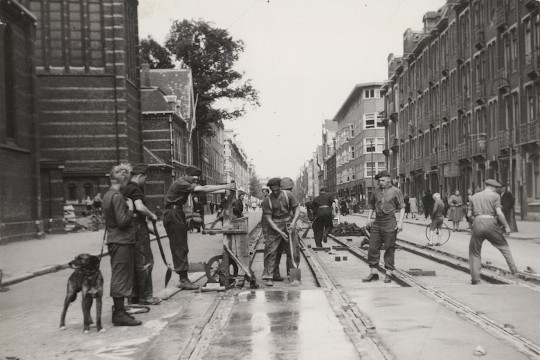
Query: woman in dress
[[413, 203], [456, 213]]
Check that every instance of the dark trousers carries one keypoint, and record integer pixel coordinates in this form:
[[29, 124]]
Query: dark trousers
[[383, 232], [174, 222], [487, 229], [144, 261], [122, 269], [322, 225]]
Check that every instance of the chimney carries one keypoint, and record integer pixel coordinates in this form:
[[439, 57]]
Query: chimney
[[145, 75]]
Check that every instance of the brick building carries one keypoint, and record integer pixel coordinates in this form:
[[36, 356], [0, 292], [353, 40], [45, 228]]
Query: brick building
[[20, 208], [328, 149], [167, 112], [86, 58], [359, 141], [462, 104], [236, 162]]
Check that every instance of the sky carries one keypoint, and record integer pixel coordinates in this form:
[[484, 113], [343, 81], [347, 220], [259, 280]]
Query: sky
[[304, 57]]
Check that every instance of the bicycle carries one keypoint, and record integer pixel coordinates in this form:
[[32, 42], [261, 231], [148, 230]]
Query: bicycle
[[444, 232]]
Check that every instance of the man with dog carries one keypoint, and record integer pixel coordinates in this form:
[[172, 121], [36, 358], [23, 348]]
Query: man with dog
[[174, 219], [277, 209], [385, 201], [118, 212], [143, 293]]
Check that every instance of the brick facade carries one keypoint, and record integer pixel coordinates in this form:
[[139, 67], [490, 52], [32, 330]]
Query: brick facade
[[464, 100], [20, 211]]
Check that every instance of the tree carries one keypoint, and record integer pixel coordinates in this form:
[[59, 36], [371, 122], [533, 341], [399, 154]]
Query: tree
[[211, 53], [255, 188], [154, 54]]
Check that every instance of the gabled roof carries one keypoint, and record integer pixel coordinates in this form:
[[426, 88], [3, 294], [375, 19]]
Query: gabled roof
[[153, 101], [176, 82]]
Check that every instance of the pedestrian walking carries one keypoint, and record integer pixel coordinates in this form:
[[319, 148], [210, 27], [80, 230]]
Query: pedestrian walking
[[354, 203], [238, 204], [343, 207], [485, 209], [437, 218], [507, 202], [120, 243], [385, 200], [427, 202], [413, 202], [174, 219], [322, 211], [277, 208], [407, 206], [198, 209], [89, 203], [211, 208], [455, 214], [97, 204], [143, 292]]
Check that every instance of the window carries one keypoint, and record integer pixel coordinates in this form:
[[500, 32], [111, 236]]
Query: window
[[72, 192], [88, 190], [353, 154], [375, 145], [372, 168], [373, 121], [6, 57], [371, 93]]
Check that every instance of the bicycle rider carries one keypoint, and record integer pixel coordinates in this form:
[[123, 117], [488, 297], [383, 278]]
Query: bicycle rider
[[437, 217]]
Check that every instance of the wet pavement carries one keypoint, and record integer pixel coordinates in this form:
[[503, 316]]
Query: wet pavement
[[280, 324]]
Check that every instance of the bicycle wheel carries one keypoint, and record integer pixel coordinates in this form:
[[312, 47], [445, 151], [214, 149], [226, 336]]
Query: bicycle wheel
[[445, 234], [213, 265]]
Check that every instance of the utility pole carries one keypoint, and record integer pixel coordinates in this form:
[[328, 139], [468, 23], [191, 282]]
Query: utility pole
[[372, 166]]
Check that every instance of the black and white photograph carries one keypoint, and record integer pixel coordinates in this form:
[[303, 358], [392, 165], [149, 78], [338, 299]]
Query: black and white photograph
[[269, 179]]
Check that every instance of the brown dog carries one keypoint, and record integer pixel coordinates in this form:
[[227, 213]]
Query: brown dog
[[87, 279]]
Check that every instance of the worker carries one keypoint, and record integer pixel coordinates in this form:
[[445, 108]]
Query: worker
[[485, 209], [385, 200], [277, 209], [174, 219], [322, 212]]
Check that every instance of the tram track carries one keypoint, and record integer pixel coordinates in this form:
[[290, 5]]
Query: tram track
[[499, 330]]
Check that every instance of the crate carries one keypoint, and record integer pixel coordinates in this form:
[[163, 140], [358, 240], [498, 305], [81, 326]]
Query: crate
[[237, 226]]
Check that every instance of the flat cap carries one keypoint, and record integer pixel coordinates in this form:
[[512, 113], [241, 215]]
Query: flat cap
[[382, 174], [139, 169], [193, 171], [287, 183], [240, 192], [491, 182], [274, 182], [323, 189]]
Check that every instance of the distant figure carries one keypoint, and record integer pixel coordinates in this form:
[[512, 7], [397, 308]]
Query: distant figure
[[407, 206], [238, 204], [97, 203], [414, 206], [88, 202], [485, 209], [211, 207], [427, 202], [198, 208], [508, 201], [455, 213], [343, 207], [322, 212], [354, 203], [437, 218]]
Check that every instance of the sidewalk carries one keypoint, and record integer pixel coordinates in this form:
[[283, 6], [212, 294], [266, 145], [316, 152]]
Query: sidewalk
[[528, 230], [23, 260]]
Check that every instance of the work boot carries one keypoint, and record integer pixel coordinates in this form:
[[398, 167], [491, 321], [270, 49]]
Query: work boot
[[388, 278], [187, 285], [278, 278], [120, 318], [475, 282], [151, 300], [371, 277], [128, 314]]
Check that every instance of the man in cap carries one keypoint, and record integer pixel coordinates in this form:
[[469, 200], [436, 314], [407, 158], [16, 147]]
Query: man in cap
[[174, 219], [384, 202], [143, 292], [238, 204], [485, 208], [277, 208], [322, 211]]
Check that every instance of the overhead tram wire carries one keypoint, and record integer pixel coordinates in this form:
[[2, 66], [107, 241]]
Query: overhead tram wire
[[242, 14]]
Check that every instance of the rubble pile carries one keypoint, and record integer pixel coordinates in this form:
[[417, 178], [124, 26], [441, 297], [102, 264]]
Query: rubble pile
[[348, 229]]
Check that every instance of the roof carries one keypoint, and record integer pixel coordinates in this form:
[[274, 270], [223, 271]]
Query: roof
[[153, 101], [330, 125], [355, 94], [176, 82]]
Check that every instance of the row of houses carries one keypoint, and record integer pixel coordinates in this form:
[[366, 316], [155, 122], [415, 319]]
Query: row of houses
[[461, 105], [74, 101]]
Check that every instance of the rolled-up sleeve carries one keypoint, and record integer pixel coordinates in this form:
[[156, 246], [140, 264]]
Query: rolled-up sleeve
[[399, 199]]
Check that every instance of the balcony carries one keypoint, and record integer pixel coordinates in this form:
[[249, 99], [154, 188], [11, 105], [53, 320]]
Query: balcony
[[394, 116], [433, 159], [478, 145], [464, 151], [504, 139], [532, 65], [444, 112], [532, 5], [443, 156], [529, 132], [394, 143], [501, 18], [479, 41], [460, 54], [412, 130], [460, 103], [480, 92]]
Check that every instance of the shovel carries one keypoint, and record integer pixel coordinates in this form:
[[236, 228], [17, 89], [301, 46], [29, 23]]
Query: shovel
[[168, 274], [295, 273]]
